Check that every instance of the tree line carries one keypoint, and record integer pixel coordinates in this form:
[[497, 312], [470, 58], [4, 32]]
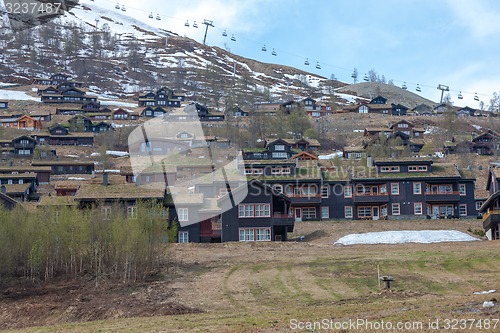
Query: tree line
[[68, 241]]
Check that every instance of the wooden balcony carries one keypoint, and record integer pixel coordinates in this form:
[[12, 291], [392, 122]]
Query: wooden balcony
[[442, 196], [282, 219], [491, 218], [370, 197], [305, 198]]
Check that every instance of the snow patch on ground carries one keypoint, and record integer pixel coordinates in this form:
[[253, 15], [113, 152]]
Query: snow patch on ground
[[330, 156], [16, 96], [406, 236], [116, 103]]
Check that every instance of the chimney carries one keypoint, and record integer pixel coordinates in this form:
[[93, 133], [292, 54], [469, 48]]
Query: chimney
[[3, 189], [105, 180]]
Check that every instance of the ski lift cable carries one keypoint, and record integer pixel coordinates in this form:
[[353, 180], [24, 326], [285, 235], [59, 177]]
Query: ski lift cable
[[280, 51]]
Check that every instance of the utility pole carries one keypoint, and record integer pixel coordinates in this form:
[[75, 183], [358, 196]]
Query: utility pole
[[207, 23], [443, 88]]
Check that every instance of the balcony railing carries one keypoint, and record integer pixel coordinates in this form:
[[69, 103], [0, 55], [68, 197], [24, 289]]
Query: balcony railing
[[281, 216], [302, 195], [370, 197], [368, 194], [442, 196], [442, 193], [490, 212]]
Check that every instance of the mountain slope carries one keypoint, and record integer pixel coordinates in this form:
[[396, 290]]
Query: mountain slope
[[393, 93]]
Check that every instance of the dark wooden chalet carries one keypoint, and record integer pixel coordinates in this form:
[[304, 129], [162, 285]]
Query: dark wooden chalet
[[486, 143], [69, 167], [466, 112], [379, 100], [20, 179], [423, 110], [68, 139], [399, 110], [236, 111], [277, 149], [86, 109], [84, 124], [162, 97], [57, 79], [263, 214], [42, 172], [122, 114], [490, 209], [18, 192], [65, 95], [108, 195], [24, 146], [440, 108], [151, 112]]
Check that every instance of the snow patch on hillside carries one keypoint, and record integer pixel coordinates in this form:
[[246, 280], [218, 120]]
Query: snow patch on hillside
[[17, 96], [406, 236]]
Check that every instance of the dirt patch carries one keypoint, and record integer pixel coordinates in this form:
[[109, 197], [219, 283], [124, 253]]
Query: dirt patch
[[23, 305]]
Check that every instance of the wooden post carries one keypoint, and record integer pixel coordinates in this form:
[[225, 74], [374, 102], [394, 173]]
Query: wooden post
[[378, 275]]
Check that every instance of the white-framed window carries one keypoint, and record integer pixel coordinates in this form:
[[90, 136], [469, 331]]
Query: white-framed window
[[417, 168], [183, 237], [262, 210], [309, 213], [132, 212], [254, 234], [417, 188], [363, 109], [106, 212], [263, 234], [417, 208], [280, 155], [279, 147], [479, 204], [348, 212], [348, 192], [325, 191], [183, 214], [247, 235], [461, 189], [394, 188], [254, 210], [276, 171], [364, 211], [21, 181], [396, 209], [462, 209], [389, 169], [325, 212]]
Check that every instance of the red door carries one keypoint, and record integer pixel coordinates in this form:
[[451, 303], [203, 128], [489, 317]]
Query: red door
[[298, 214]]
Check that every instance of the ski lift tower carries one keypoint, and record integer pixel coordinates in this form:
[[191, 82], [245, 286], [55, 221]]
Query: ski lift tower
[[207, 23], [443, 88]]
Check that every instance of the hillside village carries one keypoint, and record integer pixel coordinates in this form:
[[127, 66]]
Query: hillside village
[[69, 149]]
